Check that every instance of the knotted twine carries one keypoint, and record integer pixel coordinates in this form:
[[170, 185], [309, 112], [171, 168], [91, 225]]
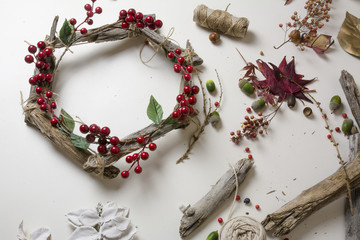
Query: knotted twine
[[241, 228], [220, 21]]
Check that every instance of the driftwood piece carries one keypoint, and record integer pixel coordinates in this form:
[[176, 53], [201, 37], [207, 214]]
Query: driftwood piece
[[219, 193], [352, 222], [40, 120], [288, 216]]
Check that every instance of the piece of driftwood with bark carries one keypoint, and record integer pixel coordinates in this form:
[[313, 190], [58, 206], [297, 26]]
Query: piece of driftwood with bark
[[90, 161], [283, 220], [196, 214]]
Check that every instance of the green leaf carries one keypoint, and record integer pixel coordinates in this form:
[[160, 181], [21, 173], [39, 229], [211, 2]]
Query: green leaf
[[79, 142], [154, 111], [170, 120], [67, 120], [66, 31]]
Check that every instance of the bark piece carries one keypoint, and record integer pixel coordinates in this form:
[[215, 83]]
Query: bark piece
[[288, 216], [220, 192]]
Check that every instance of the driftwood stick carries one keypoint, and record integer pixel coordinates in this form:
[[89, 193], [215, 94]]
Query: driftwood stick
[[352, 222], [288, 216], [219, 193]]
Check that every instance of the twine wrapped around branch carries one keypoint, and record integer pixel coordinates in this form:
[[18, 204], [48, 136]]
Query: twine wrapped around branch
[[220, 21]]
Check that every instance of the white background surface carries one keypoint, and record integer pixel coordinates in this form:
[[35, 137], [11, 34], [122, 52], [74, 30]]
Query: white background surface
[[108, 85]]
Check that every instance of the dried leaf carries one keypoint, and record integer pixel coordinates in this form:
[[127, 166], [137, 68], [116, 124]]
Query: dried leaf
[[321, 43], [349, 35]]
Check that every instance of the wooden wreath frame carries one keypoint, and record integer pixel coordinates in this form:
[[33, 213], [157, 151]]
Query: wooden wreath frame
[[90, 161]]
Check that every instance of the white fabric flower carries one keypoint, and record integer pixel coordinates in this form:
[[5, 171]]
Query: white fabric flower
[[38, 234], [108, 222]]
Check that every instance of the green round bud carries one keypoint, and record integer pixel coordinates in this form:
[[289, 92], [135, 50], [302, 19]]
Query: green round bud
[[248, 88], [335, 103], [210, 85]]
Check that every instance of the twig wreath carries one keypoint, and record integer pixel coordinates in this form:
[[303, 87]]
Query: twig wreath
[[40, 109]]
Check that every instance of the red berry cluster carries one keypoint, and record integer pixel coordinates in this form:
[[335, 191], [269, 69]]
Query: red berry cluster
[[251, 127], [130, 17], [90, 11], [187, 98]]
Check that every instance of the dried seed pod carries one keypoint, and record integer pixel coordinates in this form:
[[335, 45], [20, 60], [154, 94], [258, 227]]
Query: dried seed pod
[[335, 103], [291, 101], [307, 111], [214, 37], [246, 87], [294, 35]]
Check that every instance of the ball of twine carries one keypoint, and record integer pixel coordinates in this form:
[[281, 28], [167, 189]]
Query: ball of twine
[[220, 21], [242, 228]]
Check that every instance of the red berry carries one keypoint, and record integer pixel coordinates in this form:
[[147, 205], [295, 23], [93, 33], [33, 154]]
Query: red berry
[[139, 16], [32, 49], [248, 110], [72, 21], [181, 60], [123, 14], [114, 140], [176, 114], [144, 155], [90, 138], [344, 115], [49, 94], [216, 104], [261, 131], [177, 68], [337, 129], [171, 55], [87, 7], [151, 26], [140, 25], [102, 149], [43, 107], [48, 52], [84, 128], [191, 110], [125, 25], [260, 113], [98, 10], [189, 69], [192, 100], [129, 159], [29, 59], [105, 131], [237, 198], [184, 110], [187, 89], [48, 77], [140, 140], [42, 55], [183, 118], [38, 90], [183, 103], [187, 77], [257, 206], [90, 13], [138, 169], [83, 31], [114, 150], [158, 23], [195, 89], [40, 101], [178, 51], [125, 174], [53, 105], [46, 66], [54, 121], [250, 156], [180, 97], [247, 149], [220, 220], [89, 21], [131, 11], [152, 146], [135, 156], [149, 20], [39, 64], [329, 136], [41, 45], [129, 19], [94, 128]]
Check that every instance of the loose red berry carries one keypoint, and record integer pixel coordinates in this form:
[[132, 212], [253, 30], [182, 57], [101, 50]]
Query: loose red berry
[[189, 69], [195, 89], [152, 146], [177, 68], [138, 169], [250, 156], [220, 220], [48, 52], [41, 45], [114, 150], [131, 11], [187, 77], [181, 60], [187, 89], [178, 51], [139, 16], [123, 14], [257, 206], [49, 94], [237, 198], [149, 20], [38, 90], [83, 31], [125, 25], [40, 101], [125, 174], [54, 121], [129, 19], [48, 77], [87, 7], [32, 49], [84, 128], [90, 138], [140, 140], [114, 140], [98, 10], [72, 21], [192, 100], [129, 159], [176, 114], [247, 149], [344, 115], [105, 131], [29, 59], [90, 13], [158, 23], [102, 149], [89, 21], [337, 129], [144, 155], [53, 105], [171, 55], [43, 107], [94, 128]]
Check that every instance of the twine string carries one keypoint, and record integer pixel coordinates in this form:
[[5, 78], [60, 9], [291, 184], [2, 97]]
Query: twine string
[[97, 162]]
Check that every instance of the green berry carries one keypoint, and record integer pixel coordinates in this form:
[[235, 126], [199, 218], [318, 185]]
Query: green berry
[[347, 126], [246, 87], [258, 105], [210, 85], [335, 103], [213, 236]]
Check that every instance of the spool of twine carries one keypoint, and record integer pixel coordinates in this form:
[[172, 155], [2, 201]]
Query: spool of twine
[[220, 21], [242, 228]]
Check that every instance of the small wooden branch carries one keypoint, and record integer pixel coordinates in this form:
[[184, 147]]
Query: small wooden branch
[[288, 216], [225, 186]]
